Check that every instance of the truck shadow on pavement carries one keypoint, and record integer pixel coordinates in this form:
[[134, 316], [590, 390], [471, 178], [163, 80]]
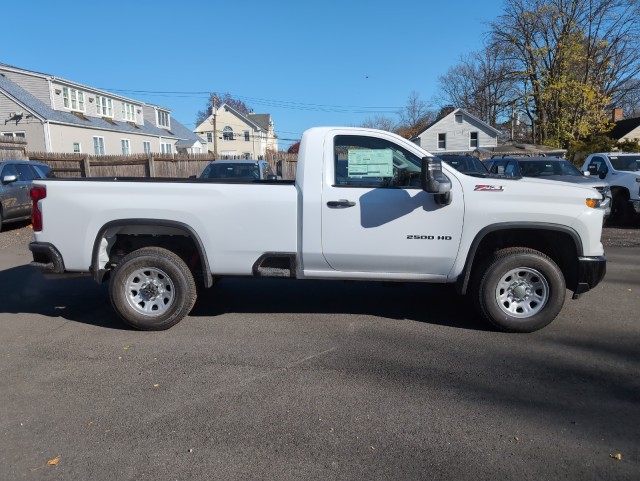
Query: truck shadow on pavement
[[25, 290], [428, 303]]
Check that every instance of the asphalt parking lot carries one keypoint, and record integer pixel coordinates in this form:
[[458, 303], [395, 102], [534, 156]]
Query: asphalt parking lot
[[286, 380]]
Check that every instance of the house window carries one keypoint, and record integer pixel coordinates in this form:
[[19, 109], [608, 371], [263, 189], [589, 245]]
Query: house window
[[146, 147], [458, 118], [16, 135], [104, 106], [165, 148], [163, 118], [124, 143], [442, 141], [128, 112], [209, 137], [76, 147], [246, 136], [73, 99], [98, 146], [227, 133], [473, 140]]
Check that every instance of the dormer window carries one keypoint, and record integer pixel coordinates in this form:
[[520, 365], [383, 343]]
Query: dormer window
[[163, 119], [104, 106], [128, 112], [73, 99]]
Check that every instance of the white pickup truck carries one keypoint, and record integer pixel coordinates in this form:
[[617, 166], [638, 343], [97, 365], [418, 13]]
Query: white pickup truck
[[622, 171], [365, 205]]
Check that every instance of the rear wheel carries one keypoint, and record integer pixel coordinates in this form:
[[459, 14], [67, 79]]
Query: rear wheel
[[519, 290], [152, 289]]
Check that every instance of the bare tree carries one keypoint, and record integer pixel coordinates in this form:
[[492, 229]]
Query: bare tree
[[575, 58], [481, 84], [381, 122], [414, 116]]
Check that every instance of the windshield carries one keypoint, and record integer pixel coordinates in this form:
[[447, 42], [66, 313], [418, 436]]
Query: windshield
[[627, 163], [543, 168], [228, 170]]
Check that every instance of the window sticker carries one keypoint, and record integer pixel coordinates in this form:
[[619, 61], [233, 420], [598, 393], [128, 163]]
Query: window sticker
[[370, 163]]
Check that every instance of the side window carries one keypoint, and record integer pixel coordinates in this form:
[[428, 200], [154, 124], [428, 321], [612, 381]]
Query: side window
[[497, 167], [25, 172], [362, 161], [8, 170], [42, 171]]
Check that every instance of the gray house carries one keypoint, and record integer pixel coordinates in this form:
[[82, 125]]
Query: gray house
[[459, 131], [58, 115]]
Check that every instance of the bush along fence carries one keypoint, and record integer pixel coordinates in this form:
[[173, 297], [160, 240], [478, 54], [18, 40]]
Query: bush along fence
[[146, 165]]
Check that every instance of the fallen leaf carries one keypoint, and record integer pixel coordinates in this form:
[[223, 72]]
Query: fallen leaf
[[126, 347], [190, 450], [54, 461], [617, 456], [156, 385]]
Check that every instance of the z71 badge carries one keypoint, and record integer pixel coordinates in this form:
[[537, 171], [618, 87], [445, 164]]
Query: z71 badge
[[490, 188]]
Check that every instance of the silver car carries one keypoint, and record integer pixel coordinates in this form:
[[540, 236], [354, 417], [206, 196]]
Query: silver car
[[15, 182]]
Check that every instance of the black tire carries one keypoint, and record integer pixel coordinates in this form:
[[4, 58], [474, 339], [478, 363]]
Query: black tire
[[0, 220], [519, 290], [152, 289], [621, 213]]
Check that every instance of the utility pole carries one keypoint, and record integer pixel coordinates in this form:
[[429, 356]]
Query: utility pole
[[215, 135]]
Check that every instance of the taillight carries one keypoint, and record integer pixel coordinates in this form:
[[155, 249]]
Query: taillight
[[37, 193]]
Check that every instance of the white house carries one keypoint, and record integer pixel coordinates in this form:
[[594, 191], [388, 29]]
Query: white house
[[58, 115], [238, 134], [458, 131]]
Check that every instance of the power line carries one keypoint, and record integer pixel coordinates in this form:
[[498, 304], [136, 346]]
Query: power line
[[267, 102]]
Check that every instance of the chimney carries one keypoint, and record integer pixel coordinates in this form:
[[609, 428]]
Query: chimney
[[616, 115]]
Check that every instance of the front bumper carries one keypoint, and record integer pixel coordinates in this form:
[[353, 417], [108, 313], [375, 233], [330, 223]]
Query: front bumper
[[591, 271]]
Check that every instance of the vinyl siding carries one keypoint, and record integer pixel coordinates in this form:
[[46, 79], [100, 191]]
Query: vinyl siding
[[33, 129], [457, 135], [36, 86], [256, 145], [63, 137], [633, 135]]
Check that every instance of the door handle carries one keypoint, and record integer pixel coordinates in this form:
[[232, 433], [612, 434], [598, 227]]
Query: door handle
[[340, 204]]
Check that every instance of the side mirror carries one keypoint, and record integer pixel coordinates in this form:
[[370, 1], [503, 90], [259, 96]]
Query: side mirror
[[433, 181], [602, 175], [586, 173], [7, 179]]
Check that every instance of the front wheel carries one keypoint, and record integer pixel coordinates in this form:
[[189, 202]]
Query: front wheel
[[152, 289], [519, 290]]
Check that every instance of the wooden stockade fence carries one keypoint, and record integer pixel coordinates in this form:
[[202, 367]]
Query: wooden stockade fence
[[12, 148], [146, 165]]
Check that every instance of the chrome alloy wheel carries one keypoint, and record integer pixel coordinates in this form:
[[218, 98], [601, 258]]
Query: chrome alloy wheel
[[150, 291], [522, 292]]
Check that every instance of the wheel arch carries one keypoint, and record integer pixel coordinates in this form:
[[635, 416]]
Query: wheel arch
[[156, 227], [561, 243]]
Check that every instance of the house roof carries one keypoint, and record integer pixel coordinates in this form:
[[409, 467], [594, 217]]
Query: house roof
[[623, 127], [46, 113], [263, 120], [458, 110]]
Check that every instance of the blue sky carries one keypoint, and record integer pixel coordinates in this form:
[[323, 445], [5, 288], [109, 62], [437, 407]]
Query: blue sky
[[305, 63]]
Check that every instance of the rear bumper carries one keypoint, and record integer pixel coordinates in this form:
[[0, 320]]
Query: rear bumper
[[591, 271], [46, 258]]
